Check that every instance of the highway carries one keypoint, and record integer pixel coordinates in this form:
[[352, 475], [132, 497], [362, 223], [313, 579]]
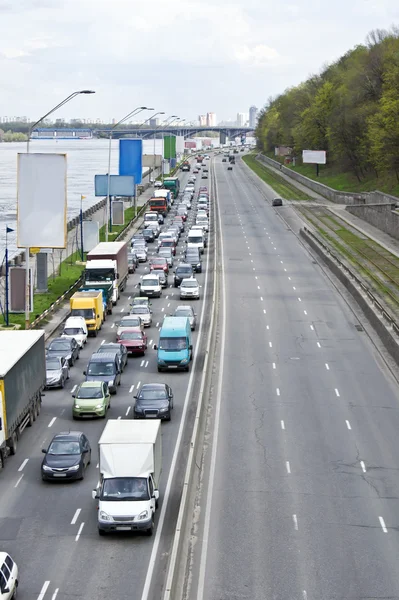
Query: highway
[[300, 492], [50, 529]]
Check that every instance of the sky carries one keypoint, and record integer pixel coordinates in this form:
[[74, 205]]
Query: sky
[[183, 57]]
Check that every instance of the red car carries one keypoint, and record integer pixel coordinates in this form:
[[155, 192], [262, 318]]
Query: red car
[[203, 188], [168, 243], [159, 262], [134, 340]]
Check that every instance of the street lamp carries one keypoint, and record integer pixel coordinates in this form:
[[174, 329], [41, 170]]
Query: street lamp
[[173, 117], [108, 214], [27, 250], [143, 123]]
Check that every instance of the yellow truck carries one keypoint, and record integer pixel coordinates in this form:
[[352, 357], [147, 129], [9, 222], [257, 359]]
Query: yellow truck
[[89, 305]]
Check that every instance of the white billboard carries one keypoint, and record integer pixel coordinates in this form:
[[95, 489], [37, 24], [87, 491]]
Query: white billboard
[[149, 159], [316, 157], [179, 144], [42, 200], [91, 235], [149, 147]]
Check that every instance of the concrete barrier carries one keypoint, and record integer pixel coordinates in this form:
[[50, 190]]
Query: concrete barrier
[[383, 216]]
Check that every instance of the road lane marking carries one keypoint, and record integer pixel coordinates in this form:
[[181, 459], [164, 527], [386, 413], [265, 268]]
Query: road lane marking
[[54, 596], [119, 418], [337, 392], [138, 385], [304, 595], [348, 424], [157, 325], [363, 466], [23, 464], [318, 344], [122, 309], [288, 277], [267, 326], [102, 342], [146, 364], [162, 309], [270, 344], [312, 328], [264, 311], [131, 389], [299, 300], [261, 298], [278, 391], [293, 287], [129, 297], [52, 422], [166, 297], [19, 481], [382, 523], [73, 389], [113, 325], [128, 410], [142, 363], [288, 467], [274, 365], [305, 312], [327, 366], [43, 590], [75, 516], [258, 287], [295, 519], [168, 304], [282, 424], [79, 532]]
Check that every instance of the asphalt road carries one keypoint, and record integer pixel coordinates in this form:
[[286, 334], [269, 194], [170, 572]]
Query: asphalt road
[[300, 495], [50, 529]]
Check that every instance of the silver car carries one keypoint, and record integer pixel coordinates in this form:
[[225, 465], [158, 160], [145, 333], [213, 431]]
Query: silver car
[[185, 310], [141, 253], [57, 371], [144, 313], [127, 322], [189, 288], [168, 254]]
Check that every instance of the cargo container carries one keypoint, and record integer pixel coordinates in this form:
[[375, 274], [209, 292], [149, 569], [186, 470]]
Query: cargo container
[[106, 263], [88, 305]]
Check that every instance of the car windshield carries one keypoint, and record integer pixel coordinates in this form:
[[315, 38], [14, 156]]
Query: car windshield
[[150, 282], [89, 392], [167, 243], [183, 312], [53, 365], [125, 489], [130, 323], [152, 394], [175, 343], [183, 271], [59, 345], [202, 218], [86, 313], [73, 330], [190, 284], [64, 447], [193, 239], [131, 335], [140, 310], [101, 368]]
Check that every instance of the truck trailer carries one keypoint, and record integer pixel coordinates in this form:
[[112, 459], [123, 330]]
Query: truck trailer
[[130, 466], [22, 381], [106, 263]]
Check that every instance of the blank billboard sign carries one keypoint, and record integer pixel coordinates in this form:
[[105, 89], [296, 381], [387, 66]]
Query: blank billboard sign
[[118, 212], [131, 159], [17, 289], [42, 201], [91, 235], [316, 157], [149, 160], [118, 185]]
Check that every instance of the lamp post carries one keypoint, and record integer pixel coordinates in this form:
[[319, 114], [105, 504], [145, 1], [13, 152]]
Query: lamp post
[[173, 117], [81, 227], [27, 250], [8, 230], [108, 212]]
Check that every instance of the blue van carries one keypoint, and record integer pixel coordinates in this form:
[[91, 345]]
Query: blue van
[[175, 348]]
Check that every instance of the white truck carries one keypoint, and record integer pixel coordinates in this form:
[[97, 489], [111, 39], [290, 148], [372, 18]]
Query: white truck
[[107, 263], [130, 466]]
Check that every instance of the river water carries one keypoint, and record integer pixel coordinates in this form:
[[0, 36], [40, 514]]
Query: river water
[[85, 158]]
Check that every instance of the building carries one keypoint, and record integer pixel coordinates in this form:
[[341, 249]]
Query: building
[[154, 122], [241, 119], [253, 115], [211, 119], [202, 120]]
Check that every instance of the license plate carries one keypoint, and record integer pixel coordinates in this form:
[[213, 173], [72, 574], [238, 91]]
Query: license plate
[[152, 416], [123, 528], [173, 367], [59, 474]]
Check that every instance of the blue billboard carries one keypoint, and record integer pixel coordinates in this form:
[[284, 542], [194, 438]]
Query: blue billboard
[[131, 158]]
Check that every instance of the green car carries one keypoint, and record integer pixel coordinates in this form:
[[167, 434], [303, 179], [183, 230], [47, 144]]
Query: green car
[[92, 399]]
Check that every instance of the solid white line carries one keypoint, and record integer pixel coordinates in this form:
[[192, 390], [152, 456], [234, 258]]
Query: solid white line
[[128, 410], [294, 518], [274, 365], [43, 590], [79, 532], [52, 422], [73, 389], [278, 391], [142, 363], [348, 424], [282, 424], [102, 342], [23, 464], [363, 466], [327, 367], [336, 392], [54, 596], [288, 467], [75, 516], [318, 344], [19, 481], [382, 523]]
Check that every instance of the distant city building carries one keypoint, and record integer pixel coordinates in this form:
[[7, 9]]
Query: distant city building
[[154, 122], [202, 120], [211, 119], [14, 120], [253, 115], [59, 121], [240, 119]]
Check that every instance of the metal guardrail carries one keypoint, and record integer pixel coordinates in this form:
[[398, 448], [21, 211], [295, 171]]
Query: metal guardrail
[[376, 303]]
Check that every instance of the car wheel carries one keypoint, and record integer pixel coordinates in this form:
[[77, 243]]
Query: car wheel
[[14, 444], [89, 458], [31, 418], [168, 417], [150, 530], [71, 362], [82, 474], [62, 383], [102, 532]]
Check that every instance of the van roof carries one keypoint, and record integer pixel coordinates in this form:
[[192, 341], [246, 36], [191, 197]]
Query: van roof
[[172, 326]]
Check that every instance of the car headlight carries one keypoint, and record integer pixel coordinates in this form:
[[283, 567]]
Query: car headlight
[[143, 515], [99, 406], [164, 409], [77, 406], [46, 468], [184, 361], [105, 516], [74, 468]]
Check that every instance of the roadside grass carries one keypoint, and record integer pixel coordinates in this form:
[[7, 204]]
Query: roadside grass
[[282, 188]]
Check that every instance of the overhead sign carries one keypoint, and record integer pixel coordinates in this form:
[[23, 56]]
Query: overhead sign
[[42, 200], [119, 185], [131, 158], [316, 157]]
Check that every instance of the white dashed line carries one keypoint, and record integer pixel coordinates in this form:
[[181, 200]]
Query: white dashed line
[[157, 325], [79, 532], [348, 425], [282, 424], [288, 467], [119, 418], [150, 343], [54, 596], [274, 365], [43, 590], [294, 518], [168, 304], [23, 464], [122, 309], [162, 309], [318, 344], [129, 297], [131, 389], [312, 328], [336, 392], [142, 363], [363, 466], [73, 389], [261, 299], [258, 287], [382, 523], [19, 481], [102, 342], [113, 325], [288, 277], [267, 327], [129, 408], [327, 366], [75, 516], [278, 391], [305, 312], [299, 300], [146, 364], [52, 422], [293, 287]]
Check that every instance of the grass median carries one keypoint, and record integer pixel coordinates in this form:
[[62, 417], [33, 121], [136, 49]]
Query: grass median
[[279, 184]]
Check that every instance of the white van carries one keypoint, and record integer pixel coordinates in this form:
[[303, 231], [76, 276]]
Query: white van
[[8, 577], [195, 239], [150, 286], [151, 216], [75, 327]]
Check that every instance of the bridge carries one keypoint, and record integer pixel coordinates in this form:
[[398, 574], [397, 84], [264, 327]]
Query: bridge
[[147, 132]]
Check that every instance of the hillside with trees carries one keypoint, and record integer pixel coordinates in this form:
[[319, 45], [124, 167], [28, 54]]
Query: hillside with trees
[[351, 110]]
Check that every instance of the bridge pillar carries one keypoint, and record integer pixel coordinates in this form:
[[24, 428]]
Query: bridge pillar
[[223, 137]]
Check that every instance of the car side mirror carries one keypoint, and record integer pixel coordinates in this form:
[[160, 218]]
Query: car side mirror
[[95, 495], [44, 451], [84, 372], [73, 395], [155, 347], [156, 494], [191, 347], [85, 451]]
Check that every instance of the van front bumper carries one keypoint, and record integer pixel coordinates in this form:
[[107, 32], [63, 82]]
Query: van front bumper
[[124, 526]]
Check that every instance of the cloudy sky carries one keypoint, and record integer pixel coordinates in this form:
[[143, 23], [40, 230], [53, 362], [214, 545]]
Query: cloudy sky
[[184, 57]]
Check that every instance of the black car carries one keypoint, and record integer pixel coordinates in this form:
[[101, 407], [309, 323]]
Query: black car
[[224, 160], [183, 271], [193, 258], [115, 348], [67, 348], [148, 234], [67, 456], [230, 167], [154, 400], [277, 202], [205, 175]]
